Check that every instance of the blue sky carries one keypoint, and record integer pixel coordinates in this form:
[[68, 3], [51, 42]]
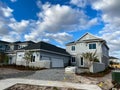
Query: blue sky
[[60, 21]]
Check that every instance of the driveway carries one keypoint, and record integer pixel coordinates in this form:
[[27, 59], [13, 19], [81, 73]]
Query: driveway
[[13, 73], [46, 74], [54, 75], [50, 74]]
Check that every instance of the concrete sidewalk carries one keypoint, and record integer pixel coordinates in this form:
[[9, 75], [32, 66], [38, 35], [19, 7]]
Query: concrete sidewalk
[[9, 82]]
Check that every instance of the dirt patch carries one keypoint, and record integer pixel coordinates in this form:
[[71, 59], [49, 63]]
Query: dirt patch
[[20, 67], [99, 74], [36, 87], [4, 71]]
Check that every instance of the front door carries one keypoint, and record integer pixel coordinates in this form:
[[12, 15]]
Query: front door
[[81, 62]]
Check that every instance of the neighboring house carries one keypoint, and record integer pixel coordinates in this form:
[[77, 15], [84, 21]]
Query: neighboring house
[[4, 46], [114, 59], [16, 46], [10, 47], [42, 52], [88, 43]]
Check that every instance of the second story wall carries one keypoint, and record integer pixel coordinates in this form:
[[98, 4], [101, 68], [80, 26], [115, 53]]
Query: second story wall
[[84, 47], [4, 46], [105, 50]]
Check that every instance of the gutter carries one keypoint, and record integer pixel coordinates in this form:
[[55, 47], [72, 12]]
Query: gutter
[[44, 51]]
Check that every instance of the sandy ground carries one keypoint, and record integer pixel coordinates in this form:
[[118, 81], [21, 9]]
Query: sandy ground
[[56, 75]]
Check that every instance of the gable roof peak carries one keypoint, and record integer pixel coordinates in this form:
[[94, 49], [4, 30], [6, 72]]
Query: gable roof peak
[[91, 35]]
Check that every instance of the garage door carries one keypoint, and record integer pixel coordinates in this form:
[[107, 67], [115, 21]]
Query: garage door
[[57, 62], [45, 58]]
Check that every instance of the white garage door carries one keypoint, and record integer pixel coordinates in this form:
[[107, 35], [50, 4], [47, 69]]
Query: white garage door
[[57, 62], [45, 58]]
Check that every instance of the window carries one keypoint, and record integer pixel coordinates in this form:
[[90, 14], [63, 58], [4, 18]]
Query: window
[[73, 59], [19, 47], [20, 55], [73, 48], [92, 46], [32, 58]]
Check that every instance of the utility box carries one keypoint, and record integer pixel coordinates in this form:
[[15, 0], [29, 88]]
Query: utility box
[[116, 76]]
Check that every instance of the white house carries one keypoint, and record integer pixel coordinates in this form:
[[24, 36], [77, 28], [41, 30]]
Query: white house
[[44, 55], [114, 59], [88, 43], [51, 56], [9, 48]]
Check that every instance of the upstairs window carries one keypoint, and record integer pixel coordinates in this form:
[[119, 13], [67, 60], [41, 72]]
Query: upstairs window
[[92, 46], [73, 48], [73, 60]]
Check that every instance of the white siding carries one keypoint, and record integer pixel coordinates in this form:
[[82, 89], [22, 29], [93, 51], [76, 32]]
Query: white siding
[[41, 56], [87, 37], [53, 55], [83, 47]]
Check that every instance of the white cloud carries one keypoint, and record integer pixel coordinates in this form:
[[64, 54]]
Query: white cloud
[[19, 26], [11, 37], [54, 20], [79, 3], [60, 37], [6, 12], [57, 19], [10, 29], [111, 18]]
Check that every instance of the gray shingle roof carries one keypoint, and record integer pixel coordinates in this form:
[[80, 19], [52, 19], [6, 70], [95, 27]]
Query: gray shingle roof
[[45, 46], [111, 57], [4, 42], [17, 42]]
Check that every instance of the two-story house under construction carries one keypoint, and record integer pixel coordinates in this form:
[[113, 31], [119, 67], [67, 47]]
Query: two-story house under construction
[[88, 43]]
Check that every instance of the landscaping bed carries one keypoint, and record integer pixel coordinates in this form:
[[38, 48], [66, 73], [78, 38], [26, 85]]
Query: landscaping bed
[[36, 87], [99, 74], [20, 67]]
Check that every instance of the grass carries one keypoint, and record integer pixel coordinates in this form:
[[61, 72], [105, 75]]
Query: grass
[[99, 74], [20, 67]]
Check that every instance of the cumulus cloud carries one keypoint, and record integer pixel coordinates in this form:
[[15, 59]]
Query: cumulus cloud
[[53, 20], [10, 29], [57, 19], [6, 11], [60, 37], [111, 18], [79, 3], [19, 26], [11, 37]]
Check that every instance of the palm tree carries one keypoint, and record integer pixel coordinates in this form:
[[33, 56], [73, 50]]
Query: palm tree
[[90, 57]]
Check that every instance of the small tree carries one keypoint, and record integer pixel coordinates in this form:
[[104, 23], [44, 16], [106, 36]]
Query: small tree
[[90, 57], [4, 59], [28, 57]]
